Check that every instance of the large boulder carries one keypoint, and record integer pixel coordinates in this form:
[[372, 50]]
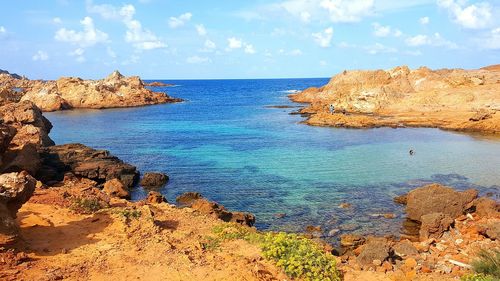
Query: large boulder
[[375, 249], [487, 207], [434, 225], [83, 161], [116, 188], [436, 198], [207, 207], [155, 197], [15, 190], [154, 179]]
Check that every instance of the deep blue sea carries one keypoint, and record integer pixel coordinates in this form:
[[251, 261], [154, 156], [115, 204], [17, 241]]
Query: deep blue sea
[[225, 143]]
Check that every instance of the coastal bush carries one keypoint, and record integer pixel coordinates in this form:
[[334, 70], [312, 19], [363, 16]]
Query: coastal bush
[[86, 205], [129, 214], [488, 263], [477, 277], [298, 256]]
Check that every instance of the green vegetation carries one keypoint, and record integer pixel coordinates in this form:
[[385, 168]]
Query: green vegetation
[[298, 256], [488, 264], [477, 277], [86, 205], [129, 214]]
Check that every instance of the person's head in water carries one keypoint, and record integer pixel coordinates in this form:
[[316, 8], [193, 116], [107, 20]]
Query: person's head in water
[[412, 152]]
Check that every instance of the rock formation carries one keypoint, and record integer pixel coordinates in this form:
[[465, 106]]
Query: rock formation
[[453, 99], [154, 179], [83, 161], [70, 92]]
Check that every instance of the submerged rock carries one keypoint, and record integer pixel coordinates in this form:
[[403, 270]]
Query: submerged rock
[[154, 179]]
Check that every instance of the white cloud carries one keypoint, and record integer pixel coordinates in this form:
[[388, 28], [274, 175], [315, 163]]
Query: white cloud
[[379, 48], [295, 52], [249, 49], [179, 21], [324, 38], [384, 31], [197, 60], [78, 54], [491, 40], [424, 20], [2, 30], [210, 45], [88, 37], [57, 20], [424, 40], [110, 52], [348, 10], [200, 28], [234, 43], [40, 56], [323, 63], [474, 16], [139, 37], [132, 60]]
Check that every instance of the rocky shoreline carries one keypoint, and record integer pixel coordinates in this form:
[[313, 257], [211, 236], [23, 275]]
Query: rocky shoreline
[[113, 91], [452, 99], [64, 215]]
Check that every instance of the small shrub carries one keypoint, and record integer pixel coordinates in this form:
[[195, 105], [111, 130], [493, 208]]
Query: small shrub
[[299, 257], [86, 205], [488, 263], [477, 277], [130, 214]]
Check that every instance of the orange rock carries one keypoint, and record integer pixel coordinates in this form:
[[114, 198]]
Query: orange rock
[[425, 269]]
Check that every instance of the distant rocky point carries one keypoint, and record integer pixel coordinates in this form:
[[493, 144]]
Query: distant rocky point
[[113, 91], [454, 99]]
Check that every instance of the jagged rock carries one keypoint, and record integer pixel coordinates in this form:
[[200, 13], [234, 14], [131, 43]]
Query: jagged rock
[[211, 208], [491, 230], [402, 199], [116, 188], [188, 198], [83, 161], [154, 180], [115, 90], [155, 197], [434, 225], [24, 159], [486, 207], [15, 190], [30, 124], [351, 240], [404, 248], [436, 198], [374, 249], [480, 115]]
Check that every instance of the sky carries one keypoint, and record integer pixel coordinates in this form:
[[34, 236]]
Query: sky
[[243, 39]]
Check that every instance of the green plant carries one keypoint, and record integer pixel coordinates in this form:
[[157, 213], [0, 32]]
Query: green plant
[[477, 277], [488, 263], [299, 257], [86, 205], [129, 214]]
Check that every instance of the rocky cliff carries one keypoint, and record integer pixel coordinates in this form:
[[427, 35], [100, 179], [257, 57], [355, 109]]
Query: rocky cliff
[[454, 99], [115, 90]]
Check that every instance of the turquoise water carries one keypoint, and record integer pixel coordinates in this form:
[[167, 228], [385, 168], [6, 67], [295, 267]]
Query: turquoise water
[[225, 143]]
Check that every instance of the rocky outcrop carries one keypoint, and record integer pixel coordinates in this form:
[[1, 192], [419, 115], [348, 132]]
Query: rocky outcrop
[[434, 225], [204, 206], [115, 188], [487, 207], [83, 161], [70, 92], [155, 197], [453, 99], [154, 179], [374, 252], [15, 190], [436, 198]]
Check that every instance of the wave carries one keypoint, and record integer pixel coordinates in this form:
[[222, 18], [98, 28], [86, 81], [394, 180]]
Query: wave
[[291, 91]]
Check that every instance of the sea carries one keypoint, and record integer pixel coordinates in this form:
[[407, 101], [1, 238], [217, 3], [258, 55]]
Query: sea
[[229, 142]]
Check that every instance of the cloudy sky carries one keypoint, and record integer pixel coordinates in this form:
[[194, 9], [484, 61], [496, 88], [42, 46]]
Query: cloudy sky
[[243, 39]]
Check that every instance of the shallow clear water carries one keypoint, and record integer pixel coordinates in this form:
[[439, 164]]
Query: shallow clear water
[[225, 143]]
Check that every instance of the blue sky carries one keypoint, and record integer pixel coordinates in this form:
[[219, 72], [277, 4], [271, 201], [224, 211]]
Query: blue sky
[[243, 39]]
